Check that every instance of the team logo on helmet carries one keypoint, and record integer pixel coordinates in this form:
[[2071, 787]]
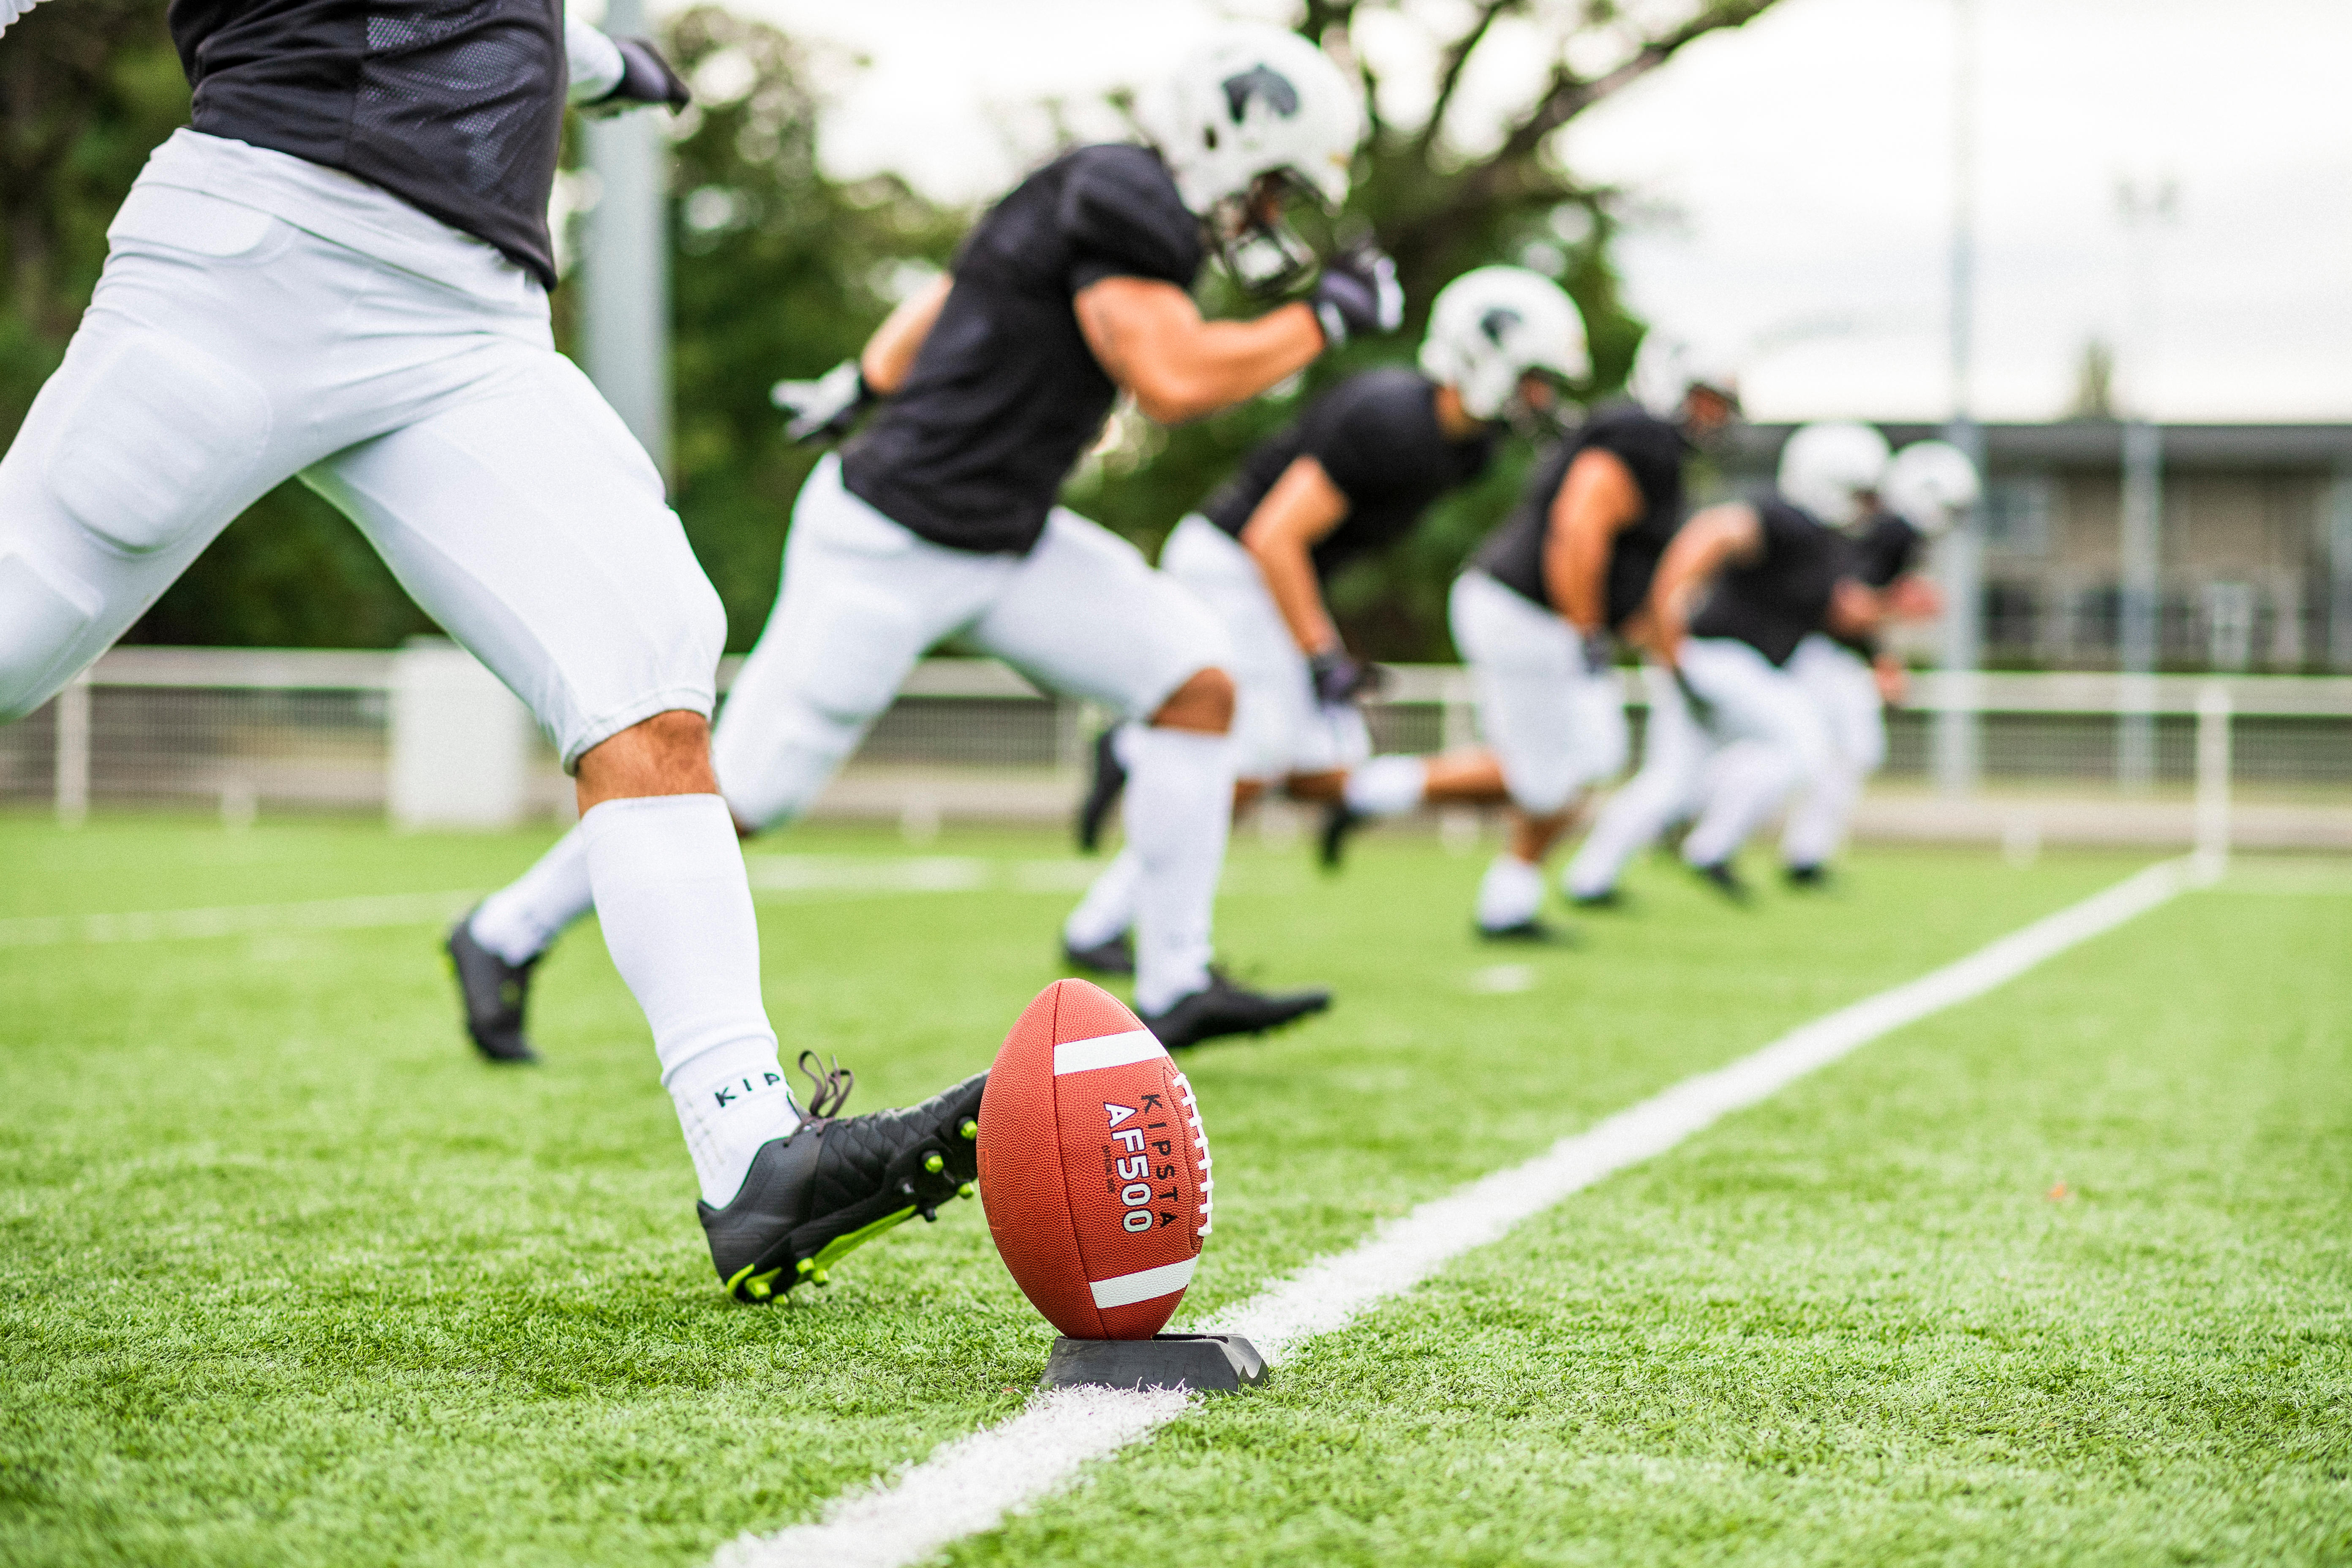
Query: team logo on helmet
[[1499, 322], [1261, 81]]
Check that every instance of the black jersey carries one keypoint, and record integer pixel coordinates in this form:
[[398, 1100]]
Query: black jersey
[[1781, 597], [1652, 452], [453, 106], [1886, 548], [1376, 435], [1005, 395]]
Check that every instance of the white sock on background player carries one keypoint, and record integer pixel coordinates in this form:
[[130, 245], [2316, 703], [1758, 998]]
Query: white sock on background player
[[1108, 907], [1511, 893], [669, 885], [1387, 786], [519, 920], [1180, 796]]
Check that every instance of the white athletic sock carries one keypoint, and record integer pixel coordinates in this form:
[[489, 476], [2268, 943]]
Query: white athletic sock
[[670, 887], [519, 920], [1387, 786], [1511, 893], [1108, 907], [1180, 802]]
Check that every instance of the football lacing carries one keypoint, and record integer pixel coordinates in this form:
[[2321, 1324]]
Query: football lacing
[[1201, 1159]]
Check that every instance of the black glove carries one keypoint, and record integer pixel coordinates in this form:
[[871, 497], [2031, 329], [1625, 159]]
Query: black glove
[[645, 77], [1357, 293], [1596, 652], [823, 409], [1339, 678]]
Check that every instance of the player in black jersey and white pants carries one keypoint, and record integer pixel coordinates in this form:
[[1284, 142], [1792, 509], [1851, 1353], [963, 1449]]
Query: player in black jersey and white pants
[[1731, 734], [1533, 612], [938, 519], [1929, 486], [340, 272], [1351, 475]]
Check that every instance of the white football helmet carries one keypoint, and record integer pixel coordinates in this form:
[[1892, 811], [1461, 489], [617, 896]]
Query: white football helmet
[[1929, 485], [1493, 326], [1253, 119], [1668, 369], [1832, 470]]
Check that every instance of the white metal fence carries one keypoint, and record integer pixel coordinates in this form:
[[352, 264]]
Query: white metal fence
[[424, 734]]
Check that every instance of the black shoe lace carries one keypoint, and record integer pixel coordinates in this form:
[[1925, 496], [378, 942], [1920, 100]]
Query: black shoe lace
[[828, 1089]]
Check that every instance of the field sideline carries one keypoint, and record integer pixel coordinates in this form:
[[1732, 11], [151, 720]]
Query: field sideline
[[2062, 1275]]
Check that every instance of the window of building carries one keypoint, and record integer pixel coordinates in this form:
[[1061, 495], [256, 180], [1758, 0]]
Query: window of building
[[2016, 508]]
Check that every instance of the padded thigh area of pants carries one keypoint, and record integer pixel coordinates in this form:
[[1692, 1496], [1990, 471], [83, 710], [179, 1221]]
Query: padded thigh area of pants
[[39, 618], [161, 437]]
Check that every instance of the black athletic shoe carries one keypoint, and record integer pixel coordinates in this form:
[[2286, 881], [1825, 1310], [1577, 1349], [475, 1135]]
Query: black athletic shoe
[[1812, 876], [837, 1182], [1224, 1008], [1339, 820], [1116, 956], [1532, 931], [1102, 792], [1725, 880], [1606, 899], [494, 992]]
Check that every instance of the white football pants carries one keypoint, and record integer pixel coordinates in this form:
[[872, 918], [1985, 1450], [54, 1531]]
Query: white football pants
[[863, 598], [1843, 691], [1758, 738], [414, 384], [1557, 725]]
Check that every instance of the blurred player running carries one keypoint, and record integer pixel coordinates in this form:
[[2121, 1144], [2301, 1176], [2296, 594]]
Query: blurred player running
[[1532, 617], [939, 518], [340, 272], [1351, 475], [1929, 485], [1731, 734]]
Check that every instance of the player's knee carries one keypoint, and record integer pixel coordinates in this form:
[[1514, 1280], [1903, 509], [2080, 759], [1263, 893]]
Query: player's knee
[[1542, 791], [41, 619], [1204, 703], [668, 753]]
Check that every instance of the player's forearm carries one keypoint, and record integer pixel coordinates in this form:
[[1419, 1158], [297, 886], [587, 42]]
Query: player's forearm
[[1705, 546], [889, 355], [1149, 337], [1290, 578], [1575, 569]]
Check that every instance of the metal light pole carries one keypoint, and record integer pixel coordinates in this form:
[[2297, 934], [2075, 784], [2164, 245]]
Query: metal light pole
[[1957, 750], [624, 263], [2140, 541]]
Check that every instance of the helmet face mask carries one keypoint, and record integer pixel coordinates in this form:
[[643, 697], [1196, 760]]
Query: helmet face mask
[[1691, 386], [1253, 240]]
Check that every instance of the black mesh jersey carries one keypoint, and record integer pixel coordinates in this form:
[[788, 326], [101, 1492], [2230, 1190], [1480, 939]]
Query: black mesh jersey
[[1005, 395], [1376, 435], [1652, 452], [1886, 548], [1776, 601], [453, 106]]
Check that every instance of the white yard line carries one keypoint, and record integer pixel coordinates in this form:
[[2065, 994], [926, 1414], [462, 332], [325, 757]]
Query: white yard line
[[972, 1484]]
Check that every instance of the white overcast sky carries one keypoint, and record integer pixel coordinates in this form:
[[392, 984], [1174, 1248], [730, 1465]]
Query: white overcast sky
[[1795, 178]]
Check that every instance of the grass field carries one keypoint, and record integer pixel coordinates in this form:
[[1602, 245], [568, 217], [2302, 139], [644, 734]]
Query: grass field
[[2062, 1275]]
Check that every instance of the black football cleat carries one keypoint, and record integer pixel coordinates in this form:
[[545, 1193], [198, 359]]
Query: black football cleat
[[1725, 880], [1116, 956], [1340, 821], [1606, 899], [1812, 876], [1532, 931], [838, 1181], [494, 992], [1223, 1007], [1102, 792]]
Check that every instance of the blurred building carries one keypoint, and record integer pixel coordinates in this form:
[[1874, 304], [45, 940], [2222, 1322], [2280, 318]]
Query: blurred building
[[2256, 544]]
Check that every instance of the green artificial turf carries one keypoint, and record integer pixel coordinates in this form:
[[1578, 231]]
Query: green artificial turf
[[287, 1277]]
